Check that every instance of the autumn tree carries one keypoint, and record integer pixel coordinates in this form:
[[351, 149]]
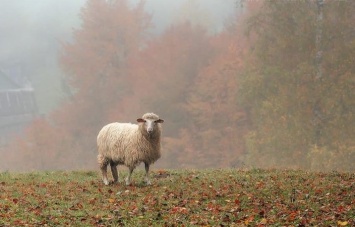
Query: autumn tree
[[218, 123], [214, 138], [168, 65], [190, 78], [280, 87], [96, 63]]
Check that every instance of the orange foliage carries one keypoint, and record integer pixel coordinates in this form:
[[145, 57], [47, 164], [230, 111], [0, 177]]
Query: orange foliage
[[215, 135]]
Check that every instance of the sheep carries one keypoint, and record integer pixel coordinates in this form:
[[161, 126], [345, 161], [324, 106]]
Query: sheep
[[129, 144]]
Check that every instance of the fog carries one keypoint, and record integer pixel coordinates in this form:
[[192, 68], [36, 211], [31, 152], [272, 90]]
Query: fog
[[263, 84], [215, 12], [32, 33]]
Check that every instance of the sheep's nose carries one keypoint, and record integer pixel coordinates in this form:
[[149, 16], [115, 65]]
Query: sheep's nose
[[149, 130]]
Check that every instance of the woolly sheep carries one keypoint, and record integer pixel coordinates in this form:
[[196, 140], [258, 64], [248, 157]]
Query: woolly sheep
[[129, 144]]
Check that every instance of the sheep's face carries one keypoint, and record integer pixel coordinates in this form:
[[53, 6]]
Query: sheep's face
[[150, 123]]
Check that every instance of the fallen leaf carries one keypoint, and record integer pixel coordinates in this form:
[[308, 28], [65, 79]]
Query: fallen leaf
[[342, 223], [263, 221]]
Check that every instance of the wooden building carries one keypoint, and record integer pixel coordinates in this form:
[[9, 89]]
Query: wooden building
[[17, 105]]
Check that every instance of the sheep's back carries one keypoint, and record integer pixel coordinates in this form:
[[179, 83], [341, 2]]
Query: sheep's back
[[115, 138]]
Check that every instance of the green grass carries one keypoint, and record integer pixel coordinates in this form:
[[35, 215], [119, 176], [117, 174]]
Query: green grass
[[179, 198]]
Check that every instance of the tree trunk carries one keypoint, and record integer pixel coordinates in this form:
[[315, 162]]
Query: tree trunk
[[317, 112]]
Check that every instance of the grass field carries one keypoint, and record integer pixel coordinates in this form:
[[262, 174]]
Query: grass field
[[179, 198]]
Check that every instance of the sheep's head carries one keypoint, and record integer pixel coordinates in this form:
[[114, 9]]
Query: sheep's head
[[150, 122]]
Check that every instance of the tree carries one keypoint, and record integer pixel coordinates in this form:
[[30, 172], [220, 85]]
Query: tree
[[214, 138], [282, 91], [168, 65], [96, 62]]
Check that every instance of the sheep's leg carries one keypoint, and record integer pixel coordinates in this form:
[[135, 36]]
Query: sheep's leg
[[146, 178], [128, 178], [104, 175], [114, 172], [103, 162]]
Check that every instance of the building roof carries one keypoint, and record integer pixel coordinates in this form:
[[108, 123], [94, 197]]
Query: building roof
[[6, 83]]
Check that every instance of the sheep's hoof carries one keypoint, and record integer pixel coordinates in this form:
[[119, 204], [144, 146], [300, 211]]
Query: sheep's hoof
[[148, 182], [106, 182]]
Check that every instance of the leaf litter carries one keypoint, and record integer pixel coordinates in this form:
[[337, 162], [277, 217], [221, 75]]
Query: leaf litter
[[180, 198]]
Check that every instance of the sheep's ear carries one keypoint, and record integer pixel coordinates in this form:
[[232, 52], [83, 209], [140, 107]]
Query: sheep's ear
[[140, 120], [159, 121]]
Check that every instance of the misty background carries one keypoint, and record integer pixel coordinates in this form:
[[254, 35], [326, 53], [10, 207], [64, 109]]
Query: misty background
[[33, 31], [218, 80]]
